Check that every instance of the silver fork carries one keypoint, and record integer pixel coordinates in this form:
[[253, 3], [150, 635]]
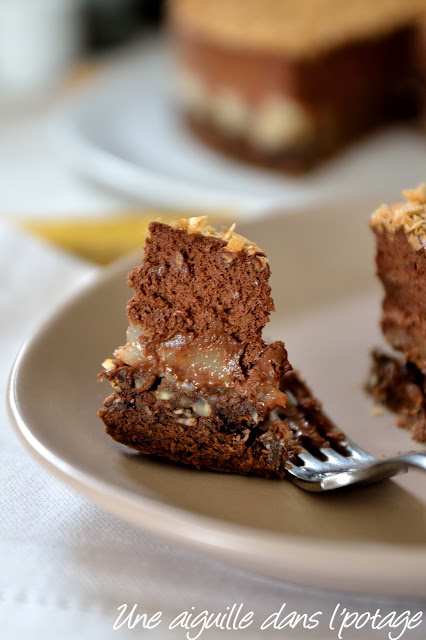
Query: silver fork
[[334, 467]]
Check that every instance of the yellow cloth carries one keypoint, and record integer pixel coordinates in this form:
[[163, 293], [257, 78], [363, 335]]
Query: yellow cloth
[[100, 240]]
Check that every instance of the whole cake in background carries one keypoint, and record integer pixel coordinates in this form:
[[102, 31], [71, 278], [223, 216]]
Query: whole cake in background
[[285, 83], [399, 381], [195, 382]]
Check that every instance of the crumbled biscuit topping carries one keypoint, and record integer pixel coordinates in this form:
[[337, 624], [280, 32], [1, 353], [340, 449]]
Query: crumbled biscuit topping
[[296, 27], [234, 242], [410, 216]]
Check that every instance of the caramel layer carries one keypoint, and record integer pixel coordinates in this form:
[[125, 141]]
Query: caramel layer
[[206, 365]]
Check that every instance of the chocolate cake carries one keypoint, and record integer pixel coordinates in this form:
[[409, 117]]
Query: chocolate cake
[[400, 233], [195, 382], [285, 83]]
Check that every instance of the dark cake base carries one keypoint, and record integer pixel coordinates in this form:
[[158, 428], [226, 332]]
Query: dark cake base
[[147, 424], [333, 136], [400, 386], [293, 161]]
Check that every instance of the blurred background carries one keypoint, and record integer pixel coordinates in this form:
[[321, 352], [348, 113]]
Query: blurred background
[[42, 40], [49, 51], [89, 129]]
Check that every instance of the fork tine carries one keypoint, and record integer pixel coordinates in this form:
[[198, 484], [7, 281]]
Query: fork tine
[[333, 456], [354, 450], [340, 462], [310, 460]]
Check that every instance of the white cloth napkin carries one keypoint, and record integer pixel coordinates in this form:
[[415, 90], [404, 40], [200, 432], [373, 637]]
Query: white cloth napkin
[[66, 566]]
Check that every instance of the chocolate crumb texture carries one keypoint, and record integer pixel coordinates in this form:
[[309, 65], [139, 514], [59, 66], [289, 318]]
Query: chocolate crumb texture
[[401, 387]]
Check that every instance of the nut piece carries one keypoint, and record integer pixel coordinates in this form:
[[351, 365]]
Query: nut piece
[[140, 383], [260, 263], [187, 386], [163, 394], [188, 422], [228, 257], [202, 408], [254, 416], [197, 224], [228, 233]]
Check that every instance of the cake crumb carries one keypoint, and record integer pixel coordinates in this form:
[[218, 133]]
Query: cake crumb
[[416, 195], [376, 411]]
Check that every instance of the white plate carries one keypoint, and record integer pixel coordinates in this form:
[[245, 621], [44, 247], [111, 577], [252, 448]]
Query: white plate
[[370, 539], [124, 133]]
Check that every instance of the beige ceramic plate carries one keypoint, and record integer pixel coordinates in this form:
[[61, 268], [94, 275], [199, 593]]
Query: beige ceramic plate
[[369, 540]]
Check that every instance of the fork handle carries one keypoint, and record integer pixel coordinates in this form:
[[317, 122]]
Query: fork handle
[[414, 459]]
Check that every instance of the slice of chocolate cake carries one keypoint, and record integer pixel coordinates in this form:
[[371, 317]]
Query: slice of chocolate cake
[[195, 382], [401, 266]]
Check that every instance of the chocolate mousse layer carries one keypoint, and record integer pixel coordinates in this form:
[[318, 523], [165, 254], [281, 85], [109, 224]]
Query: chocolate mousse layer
[[195, 280]]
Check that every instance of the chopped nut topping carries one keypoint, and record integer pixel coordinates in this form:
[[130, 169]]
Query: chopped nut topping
[[297, 29], [228, 234], [234, 242], [409, 216], [416, 195], [197, 224]]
